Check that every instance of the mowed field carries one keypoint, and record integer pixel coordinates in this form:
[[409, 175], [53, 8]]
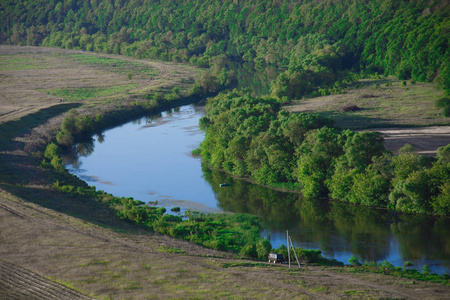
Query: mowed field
[[32, 78], [56, 246], [403, 111]]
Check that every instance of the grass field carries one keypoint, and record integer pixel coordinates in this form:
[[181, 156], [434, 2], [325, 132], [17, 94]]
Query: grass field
[[32, 78], [81, 94], [385, 102], [403, 111], [116, 65], [54, 244]]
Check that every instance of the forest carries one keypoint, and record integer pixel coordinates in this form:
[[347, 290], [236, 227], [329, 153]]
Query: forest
[[316, 48], [312, 44]]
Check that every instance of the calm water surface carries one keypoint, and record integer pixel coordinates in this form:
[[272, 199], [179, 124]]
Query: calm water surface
[[150, 160]]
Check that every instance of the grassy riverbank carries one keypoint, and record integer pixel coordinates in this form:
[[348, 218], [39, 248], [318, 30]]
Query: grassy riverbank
[[57, 227]]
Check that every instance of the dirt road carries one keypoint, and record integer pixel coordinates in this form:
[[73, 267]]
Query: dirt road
[[425, 140]]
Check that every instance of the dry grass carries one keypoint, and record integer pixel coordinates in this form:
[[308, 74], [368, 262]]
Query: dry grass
[[128, 264], [33, 78]]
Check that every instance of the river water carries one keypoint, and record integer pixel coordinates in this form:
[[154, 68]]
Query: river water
[[150, 159]]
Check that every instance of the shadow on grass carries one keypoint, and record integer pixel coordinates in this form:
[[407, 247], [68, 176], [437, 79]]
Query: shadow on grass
[[20, 176], [348, 120], [81, 207], [25, 123]]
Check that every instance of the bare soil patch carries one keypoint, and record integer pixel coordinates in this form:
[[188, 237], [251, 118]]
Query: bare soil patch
[[425, 140]]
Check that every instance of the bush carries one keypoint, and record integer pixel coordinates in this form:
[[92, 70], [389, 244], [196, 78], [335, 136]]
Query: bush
[[444, 103], [263, 248], [51, 151], [350, 107], [354, 261]]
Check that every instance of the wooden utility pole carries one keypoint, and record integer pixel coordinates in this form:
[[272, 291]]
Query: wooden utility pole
[[289, 244]]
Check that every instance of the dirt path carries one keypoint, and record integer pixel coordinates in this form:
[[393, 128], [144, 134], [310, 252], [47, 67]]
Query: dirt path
[[425, 140]]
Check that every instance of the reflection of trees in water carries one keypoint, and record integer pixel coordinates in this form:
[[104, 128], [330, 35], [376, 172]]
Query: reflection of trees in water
[[420, 235], [100, 138], [82, 149], [85, 149], [335, 226], [274, 207], [365, 228]]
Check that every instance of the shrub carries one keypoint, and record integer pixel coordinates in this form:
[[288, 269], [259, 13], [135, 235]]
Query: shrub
[[51, 151], [425, 269], [350, 107], [263, 248], [353, 260]]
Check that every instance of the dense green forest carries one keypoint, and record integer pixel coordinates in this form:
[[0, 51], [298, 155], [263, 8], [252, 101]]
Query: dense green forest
[[251, 137], [311, 43]]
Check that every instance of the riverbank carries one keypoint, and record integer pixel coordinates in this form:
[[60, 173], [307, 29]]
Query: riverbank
[[70, 239]]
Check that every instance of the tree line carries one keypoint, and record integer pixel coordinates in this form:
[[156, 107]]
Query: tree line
[[311, 43], [252, 137]]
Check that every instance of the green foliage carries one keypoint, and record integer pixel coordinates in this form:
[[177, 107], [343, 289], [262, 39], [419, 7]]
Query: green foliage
[[353, 260], [171, 250], [444, 103], [51, 151], [315, 160], [51, 158], [237, 233], [89, 93], [386, 267], [251, 137], [75, 126], [263, 248], [420, 183], [313, 43], [175, 209]]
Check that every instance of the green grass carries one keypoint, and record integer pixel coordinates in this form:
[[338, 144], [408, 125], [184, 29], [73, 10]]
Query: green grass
[[388, 269], [8, 62], [380, 105], [354, 293], [171, 250], [243, 264], [116, 65], [88, 93]]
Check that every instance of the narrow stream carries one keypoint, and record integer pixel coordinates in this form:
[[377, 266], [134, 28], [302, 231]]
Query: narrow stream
[[150, 159]]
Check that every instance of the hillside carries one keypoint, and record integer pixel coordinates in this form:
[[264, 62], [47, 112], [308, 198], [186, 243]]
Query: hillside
[[314, 43], [49, 255], [70, 68], [56, 244]]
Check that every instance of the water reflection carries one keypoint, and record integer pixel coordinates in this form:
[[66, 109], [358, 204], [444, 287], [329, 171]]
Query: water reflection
[[148, 159], [337, 228]]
